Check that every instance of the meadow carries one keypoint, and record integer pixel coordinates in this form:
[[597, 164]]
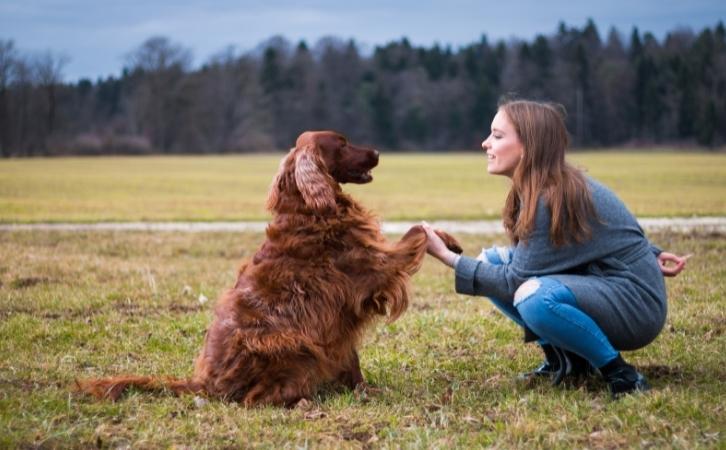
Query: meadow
[[405, 187], [85, 304], [75, 305]]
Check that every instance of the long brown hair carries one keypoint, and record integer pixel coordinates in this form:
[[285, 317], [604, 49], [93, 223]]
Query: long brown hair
[[543, 172]]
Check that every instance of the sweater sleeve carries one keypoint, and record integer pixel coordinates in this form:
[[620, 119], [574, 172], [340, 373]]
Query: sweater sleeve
[[534, 258], [614, 233], [476, 277]]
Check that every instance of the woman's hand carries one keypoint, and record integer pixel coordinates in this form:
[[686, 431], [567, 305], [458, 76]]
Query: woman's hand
[[437, 248], [671, 271]]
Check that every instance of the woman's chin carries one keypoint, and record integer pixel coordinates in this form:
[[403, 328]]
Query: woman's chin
[[494, 170]]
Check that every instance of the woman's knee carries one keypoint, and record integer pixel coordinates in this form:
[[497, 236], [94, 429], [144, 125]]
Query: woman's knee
[[531, 307], [526, 291], [536, 297]]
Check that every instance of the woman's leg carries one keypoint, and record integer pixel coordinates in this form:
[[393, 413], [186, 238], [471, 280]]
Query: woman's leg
[[554, 359], [497, 256], [550, 309]]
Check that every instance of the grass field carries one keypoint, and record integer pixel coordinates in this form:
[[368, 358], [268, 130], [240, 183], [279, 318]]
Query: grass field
[[406, 186], [85, 304]]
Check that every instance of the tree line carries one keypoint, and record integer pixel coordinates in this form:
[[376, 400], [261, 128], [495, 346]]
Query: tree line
[[633, 90]]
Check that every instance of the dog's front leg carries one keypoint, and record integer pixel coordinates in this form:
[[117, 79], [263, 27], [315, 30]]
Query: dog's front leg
[[402, 260], [408, 253], [352, 376]]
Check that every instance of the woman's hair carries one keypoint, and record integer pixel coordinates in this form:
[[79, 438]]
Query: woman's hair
[[543, 172]]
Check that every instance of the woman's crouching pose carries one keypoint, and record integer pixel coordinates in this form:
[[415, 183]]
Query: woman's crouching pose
[[580, 277]]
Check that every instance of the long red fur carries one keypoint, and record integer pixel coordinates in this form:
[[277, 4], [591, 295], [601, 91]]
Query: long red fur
[[299, 307]]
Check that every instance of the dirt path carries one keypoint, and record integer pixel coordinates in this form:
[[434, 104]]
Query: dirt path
[[679, 225]]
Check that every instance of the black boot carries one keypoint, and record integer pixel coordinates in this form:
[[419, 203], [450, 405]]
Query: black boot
[[560, 365], [573, 367], [580, 367], [622, 378], [549, 367]]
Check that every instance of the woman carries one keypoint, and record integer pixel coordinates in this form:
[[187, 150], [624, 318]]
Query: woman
[[580, 277]]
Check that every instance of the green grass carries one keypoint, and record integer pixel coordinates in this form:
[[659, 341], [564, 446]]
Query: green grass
[[406, 186], [76, 305], [85, 304]]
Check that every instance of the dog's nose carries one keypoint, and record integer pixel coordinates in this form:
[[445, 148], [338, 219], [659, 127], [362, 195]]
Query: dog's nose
[[374, 156]]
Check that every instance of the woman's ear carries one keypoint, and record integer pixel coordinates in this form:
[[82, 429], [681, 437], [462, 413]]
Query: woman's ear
[[313, 181]]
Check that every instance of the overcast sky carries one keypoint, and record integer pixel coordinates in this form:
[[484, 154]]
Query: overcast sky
[[96, 35]]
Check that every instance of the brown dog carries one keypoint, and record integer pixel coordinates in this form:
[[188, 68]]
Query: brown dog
[[296, 314]]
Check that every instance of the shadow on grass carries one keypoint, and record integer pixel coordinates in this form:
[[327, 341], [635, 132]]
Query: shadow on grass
[[677, 374]]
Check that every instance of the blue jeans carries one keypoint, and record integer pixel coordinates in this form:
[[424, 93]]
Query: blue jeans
[[549, 308]]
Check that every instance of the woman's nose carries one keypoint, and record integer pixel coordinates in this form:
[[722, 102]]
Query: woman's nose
[[484, 144]]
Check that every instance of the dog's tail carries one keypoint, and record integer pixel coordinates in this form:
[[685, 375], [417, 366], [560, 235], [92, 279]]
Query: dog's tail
[[112, 388]]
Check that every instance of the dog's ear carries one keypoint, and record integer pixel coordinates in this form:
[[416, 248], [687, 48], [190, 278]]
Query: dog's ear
[[313, 180], [281, 181]]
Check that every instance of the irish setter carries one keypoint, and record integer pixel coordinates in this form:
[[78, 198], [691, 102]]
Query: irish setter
[[295, 316]]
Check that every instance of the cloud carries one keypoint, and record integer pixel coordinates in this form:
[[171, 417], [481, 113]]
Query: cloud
[[97, 35]]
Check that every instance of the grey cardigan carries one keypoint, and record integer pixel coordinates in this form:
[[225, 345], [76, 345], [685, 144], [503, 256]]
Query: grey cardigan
[[614, 276]]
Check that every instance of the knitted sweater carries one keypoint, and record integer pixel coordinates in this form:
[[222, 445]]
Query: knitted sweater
[[614, 275]]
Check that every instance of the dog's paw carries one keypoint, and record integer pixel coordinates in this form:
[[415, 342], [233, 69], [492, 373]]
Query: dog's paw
[[364, 391], [416, 229], [451, 242], [303, 404]]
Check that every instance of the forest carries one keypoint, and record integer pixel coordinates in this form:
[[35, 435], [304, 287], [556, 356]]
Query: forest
[[619, 89]]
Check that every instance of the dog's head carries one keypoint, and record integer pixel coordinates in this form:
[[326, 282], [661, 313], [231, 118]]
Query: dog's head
[[318, 163]]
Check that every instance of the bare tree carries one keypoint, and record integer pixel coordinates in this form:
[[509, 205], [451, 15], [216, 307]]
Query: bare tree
[[158, 67], [8, 57], [159, 54], [48, 69], [617, 90]]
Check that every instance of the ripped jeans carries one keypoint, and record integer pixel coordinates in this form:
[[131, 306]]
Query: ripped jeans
[[549, 308]]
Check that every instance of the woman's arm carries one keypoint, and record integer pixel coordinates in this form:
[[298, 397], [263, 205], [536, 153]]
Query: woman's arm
[[471, 278]]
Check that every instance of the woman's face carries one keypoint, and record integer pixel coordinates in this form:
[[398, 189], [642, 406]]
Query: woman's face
[[503, 147]]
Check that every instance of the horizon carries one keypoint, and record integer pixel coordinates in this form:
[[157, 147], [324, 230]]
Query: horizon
[[96, 38]]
